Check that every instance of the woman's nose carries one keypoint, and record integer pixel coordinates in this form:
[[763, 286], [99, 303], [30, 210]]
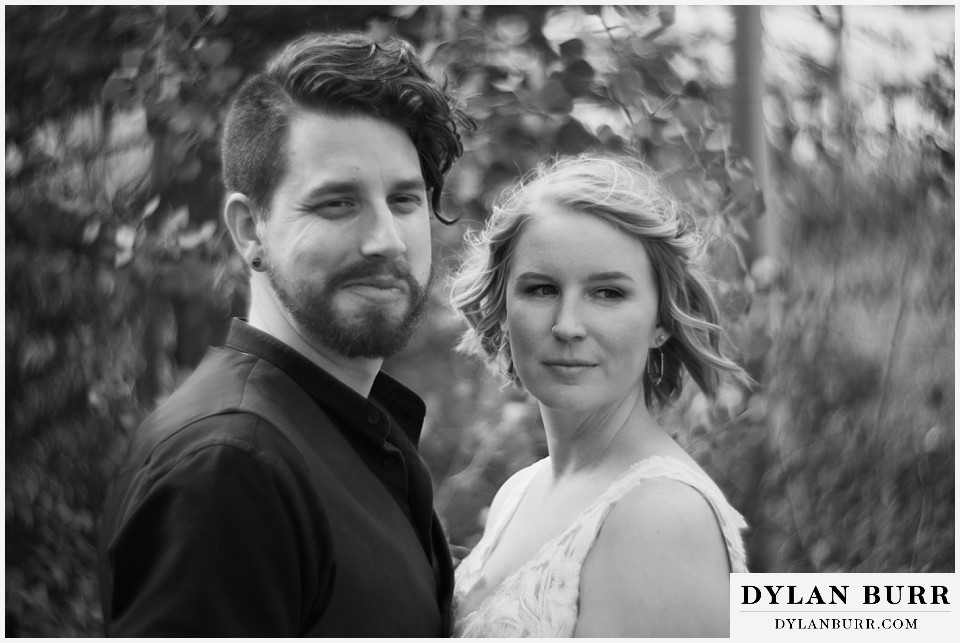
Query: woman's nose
[[568, 326]]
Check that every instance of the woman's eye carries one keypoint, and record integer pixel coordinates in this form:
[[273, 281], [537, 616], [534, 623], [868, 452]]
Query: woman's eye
[[609, 293], [542, 290]]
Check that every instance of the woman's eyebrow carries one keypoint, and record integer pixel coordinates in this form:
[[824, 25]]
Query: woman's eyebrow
[[531, 276], [612, 275]]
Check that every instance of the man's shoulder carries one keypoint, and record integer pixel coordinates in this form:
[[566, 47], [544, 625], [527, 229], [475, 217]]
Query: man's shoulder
[[220, 405]]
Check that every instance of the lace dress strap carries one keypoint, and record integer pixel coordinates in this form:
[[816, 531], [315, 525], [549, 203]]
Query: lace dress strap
[[492, 534]]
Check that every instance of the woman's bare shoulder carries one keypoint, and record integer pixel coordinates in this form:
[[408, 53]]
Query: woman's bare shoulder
[[659, 567]]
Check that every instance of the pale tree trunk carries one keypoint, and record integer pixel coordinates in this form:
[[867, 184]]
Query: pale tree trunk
[[748, 125], [761, 255]]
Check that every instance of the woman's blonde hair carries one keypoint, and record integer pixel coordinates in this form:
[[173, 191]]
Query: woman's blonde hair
[[630, 196]]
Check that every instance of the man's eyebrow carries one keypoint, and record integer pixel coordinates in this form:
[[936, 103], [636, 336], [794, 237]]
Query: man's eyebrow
[[341, 186], [414, 183], [332, 187]]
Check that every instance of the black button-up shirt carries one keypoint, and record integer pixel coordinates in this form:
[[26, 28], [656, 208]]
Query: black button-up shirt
[[265, 497]]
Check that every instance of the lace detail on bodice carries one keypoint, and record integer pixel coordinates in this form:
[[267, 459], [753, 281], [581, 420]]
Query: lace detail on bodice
[[540, 599]]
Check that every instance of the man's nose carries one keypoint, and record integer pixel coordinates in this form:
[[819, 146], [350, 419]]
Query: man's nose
[[382, 235]]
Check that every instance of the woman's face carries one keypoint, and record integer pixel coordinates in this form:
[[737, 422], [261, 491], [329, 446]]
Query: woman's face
[[581, 310]]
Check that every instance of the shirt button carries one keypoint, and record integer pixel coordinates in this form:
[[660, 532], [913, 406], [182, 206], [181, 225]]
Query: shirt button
[[373, 417]]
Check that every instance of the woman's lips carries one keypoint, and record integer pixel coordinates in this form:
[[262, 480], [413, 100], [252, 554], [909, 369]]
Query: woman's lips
[[569, 366]]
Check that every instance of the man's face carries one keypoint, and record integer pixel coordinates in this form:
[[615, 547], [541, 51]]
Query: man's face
[[347, 240]]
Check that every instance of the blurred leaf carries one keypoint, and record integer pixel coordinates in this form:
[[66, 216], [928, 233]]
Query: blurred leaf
[[693, 89], [223, 79], [133, 57], [169, 88], [573, 138], [627, 86], [716, 142], [145, 83], [131, 21], [742, 187], [507, 83], [469, 183], [218, 13], [181, 122], [175, 223], [671, 132], [667, 15], [91, 231], [642, 128], [404, 11], [125, 237], [116, 86], [577, 78], [571, 51], [14, 160], [738, 230], [717, 174], [215, 53], [191, 240], [36, 353], [189, 170], [150, 207], [692, 113], [554, 98], [179, 14]]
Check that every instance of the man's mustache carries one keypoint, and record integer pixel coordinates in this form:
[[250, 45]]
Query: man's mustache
[[375, 268]]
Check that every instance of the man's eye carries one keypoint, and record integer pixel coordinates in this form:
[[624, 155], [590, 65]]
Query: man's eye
[[407, 202], [337, 203], [334, 209]]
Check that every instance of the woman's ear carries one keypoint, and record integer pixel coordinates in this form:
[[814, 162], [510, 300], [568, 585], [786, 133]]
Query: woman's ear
[[239, 215], [660, 337]]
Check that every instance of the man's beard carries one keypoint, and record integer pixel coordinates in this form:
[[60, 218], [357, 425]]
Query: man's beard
[[372, 331]]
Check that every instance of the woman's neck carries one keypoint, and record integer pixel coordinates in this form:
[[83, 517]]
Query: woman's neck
[[607, 437]]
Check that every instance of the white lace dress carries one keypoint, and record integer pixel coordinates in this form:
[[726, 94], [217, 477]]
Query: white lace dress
[[540, 599]]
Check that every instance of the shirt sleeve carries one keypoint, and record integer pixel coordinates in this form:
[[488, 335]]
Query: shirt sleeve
[[220, 539]]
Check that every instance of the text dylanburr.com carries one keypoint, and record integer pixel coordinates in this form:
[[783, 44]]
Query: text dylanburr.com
[[848, 607]]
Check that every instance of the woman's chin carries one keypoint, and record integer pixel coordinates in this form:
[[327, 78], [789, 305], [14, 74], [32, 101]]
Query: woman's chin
[[573, 399]]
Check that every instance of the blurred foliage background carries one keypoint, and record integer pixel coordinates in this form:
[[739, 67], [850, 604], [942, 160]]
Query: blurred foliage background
[[816, 146]]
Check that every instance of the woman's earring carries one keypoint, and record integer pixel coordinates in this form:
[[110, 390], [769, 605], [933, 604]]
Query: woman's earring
[[257, 263], [655, 378]]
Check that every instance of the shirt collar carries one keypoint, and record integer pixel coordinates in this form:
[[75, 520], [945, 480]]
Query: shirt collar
[[403, 405]]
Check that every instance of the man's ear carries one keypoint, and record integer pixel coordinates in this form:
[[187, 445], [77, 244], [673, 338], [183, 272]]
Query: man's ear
[[238, 213]]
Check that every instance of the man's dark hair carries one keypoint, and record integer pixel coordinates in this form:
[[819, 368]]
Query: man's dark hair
[[345, 74]]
